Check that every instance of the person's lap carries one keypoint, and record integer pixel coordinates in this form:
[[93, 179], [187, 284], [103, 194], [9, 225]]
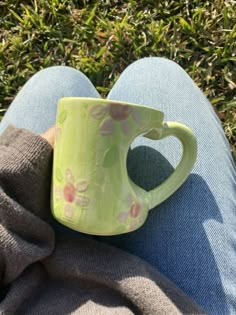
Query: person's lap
[[191, 236], [35, 105]]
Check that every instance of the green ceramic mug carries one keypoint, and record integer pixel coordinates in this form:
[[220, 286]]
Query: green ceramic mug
[[91, 190]]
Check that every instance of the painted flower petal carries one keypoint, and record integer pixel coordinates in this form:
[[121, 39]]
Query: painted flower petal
[[119, 111], [135, 210], [82, 186], [107, 127], [98, 111], [130, 200], [125, 127], [69, 176], [69, 192], [68, 211], [82, 201], [122, 216]]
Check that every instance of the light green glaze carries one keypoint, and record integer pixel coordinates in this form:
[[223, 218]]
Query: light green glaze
[[91, 190]]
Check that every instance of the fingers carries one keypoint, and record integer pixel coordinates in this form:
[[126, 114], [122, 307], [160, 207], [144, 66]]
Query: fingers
[[49, 135]]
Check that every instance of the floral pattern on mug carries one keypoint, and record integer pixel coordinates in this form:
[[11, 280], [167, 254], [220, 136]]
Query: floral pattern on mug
[[117, 112], [132, 217], [71, 193], [68, 212]]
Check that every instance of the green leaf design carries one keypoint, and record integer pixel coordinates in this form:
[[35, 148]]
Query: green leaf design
[[59, 175], [62, 116], [110, 156]]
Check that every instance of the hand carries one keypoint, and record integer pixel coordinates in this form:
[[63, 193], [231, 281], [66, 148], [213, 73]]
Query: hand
[[49, 135]]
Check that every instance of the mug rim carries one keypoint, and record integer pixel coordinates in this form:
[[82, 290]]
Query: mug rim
[[105, 100]]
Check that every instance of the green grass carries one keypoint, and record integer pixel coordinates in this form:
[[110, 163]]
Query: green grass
[[102, 37]]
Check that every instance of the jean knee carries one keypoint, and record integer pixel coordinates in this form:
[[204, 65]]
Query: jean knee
[[58, 74], [64, 80], [155, 64]]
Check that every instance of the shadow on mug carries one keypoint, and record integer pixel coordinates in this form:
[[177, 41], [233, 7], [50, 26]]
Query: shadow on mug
[[173, 239]]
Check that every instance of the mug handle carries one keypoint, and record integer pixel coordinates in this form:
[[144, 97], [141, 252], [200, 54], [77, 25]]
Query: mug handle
[[183, 169]]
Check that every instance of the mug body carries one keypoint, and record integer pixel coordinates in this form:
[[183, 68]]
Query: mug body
[[91, 190]]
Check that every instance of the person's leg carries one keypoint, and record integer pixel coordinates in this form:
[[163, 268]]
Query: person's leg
[[35, 105], [191, 237]]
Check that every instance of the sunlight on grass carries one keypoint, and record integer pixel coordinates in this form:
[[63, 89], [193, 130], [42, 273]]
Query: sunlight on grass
[[102, 37]]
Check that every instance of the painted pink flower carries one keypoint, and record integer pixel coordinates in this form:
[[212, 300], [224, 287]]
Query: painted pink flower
[[117, 112], [135, 210], [69, 192], [72, 192], [135, 207]]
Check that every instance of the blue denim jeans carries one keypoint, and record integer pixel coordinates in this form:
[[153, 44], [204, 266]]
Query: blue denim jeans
[[191, 237]]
